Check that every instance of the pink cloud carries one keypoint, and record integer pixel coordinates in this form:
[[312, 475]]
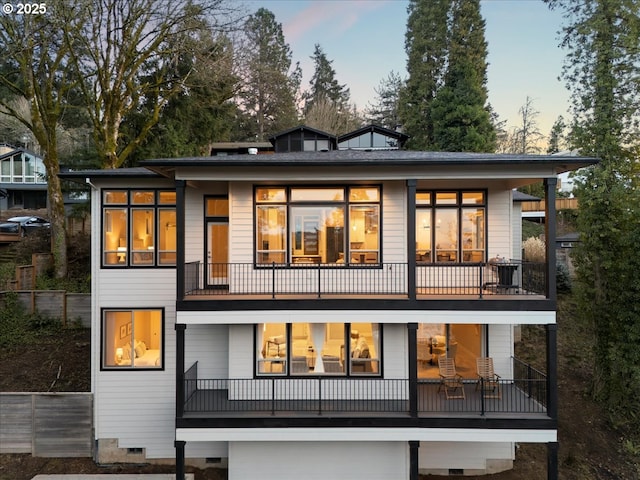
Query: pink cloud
[[332, 15]]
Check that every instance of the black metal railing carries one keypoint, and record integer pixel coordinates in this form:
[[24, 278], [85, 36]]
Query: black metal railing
[[322, 280], [319, 395], [531, 381]]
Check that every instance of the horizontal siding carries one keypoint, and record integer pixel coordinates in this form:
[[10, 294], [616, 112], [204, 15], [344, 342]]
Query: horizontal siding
[[499, 217], [394, 228], [137, 407], [318, 460], [459, 455], [209, 346], [17, 423]]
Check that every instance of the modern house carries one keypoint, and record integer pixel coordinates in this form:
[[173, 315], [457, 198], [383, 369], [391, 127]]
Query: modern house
[[289, 315], [23, 184]]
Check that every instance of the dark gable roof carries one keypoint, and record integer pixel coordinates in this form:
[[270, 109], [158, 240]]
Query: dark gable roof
[[402, 137], [301, 128]]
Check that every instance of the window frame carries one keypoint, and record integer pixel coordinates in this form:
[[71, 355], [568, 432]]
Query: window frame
[[125, 253], [346, 204], [345, 354], [129, 368], [432, 206]]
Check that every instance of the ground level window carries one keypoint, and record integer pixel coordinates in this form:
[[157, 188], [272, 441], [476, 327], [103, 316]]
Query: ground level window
[[318, 349], [132, 339]]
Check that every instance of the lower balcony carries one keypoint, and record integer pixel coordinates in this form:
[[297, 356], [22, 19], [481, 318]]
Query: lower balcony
[[233, 281], [522, 397]]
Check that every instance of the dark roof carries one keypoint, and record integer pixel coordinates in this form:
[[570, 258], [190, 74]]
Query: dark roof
[[134, 172], [403, 137], [366, 158], [301, 128], [519, 196]]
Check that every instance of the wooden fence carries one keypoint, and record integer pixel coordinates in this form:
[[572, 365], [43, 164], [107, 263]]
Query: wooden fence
[[68, 307], [47, 424]]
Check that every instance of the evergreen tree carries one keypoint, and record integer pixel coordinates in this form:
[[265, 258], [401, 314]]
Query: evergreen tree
[[324, 86], [200, 114], [461, 120], [601, 70], [385, 111], [270, 89], [426, 44], [556, 137]]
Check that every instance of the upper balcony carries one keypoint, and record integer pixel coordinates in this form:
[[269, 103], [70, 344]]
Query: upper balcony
[[389, 282]]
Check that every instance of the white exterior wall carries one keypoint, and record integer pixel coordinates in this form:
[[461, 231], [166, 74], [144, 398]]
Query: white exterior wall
[[443, 456], [318, 460], [137, 408], [209, 346], [501, 349], [499, 221]]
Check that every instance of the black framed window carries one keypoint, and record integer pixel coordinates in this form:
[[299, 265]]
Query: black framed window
[[318, 225], [138, 228], [132, 339], [451, 226], [299, 349]]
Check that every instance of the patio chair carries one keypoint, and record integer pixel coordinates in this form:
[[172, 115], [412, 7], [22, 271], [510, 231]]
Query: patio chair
[[488, 380], [450, 381]]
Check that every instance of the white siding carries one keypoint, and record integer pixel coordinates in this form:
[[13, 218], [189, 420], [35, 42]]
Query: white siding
[[459, 455], [241, 223], [136, 407], [207, 345], [241, 351], [394, 224], [517, 230], [499, 221], [318, 460], [501, 349]]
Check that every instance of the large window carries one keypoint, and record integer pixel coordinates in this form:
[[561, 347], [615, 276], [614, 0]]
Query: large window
[[132, 339], [139, 228], [318, 349], [318, 225], [450, 226]]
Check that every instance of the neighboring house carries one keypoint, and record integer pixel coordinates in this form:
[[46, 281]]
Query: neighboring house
[[23, 183], [284, 315]]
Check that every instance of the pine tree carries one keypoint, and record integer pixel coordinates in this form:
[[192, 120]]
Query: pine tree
[[601, 70], [327, 102], [324, 85], [461, 120], [385, 111], [556, 136], [270, 86], [426, 43]]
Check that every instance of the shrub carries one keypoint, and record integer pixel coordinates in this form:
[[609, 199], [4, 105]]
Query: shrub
[[534, 250]]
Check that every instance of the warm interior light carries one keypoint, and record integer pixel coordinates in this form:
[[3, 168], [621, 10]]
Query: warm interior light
[[119, 354]]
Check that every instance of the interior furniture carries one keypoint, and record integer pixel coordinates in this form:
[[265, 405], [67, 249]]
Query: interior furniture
[[299, 364], [488, 380], [450, 380], [331, 364]]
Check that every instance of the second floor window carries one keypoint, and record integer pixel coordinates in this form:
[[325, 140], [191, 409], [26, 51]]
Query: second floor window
[[139, 228], [317, 225], [450, 226]]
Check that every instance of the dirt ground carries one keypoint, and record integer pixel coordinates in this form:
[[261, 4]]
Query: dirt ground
[[589, 447]]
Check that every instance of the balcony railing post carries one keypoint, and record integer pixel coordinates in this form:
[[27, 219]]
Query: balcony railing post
[[273, 396], [480, 266], [319, 395], [482, 399], [529, 380], [319, 280], [273, 280]]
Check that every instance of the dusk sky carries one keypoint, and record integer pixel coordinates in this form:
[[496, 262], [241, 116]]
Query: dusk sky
[[365, 41]]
